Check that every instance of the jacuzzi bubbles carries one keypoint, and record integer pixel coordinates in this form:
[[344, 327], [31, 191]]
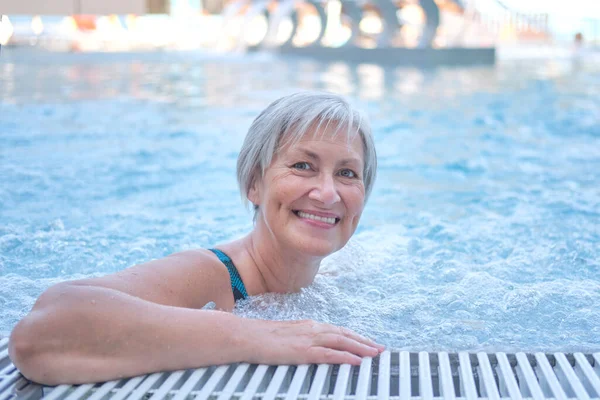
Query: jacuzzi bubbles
[[481, 233]]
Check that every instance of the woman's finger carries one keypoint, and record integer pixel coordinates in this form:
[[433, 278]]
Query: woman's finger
[[325, 355], [343, 343], [359, 338]]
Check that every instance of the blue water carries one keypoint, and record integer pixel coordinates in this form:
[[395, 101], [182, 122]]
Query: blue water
[[482, 233]]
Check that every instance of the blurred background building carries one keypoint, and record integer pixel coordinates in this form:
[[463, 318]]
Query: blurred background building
[[235, 25]]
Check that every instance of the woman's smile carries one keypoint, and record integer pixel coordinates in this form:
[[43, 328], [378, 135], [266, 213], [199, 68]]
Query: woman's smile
[[318, 219]]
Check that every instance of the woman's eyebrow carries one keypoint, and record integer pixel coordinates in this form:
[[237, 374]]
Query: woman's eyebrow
[[350, 161], [310, 154], [345, 161]]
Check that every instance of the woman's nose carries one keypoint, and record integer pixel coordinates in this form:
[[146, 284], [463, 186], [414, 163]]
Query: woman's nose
[[325, 191]]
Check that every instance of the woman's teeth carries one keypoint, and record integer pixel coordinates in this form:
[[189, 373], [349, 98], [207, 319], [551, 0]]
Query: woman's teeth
[[329, 220]]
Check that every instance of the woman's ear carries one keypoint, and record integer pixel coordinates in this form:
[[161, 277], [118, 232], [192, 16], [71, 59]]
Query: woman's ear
[[254, 193]]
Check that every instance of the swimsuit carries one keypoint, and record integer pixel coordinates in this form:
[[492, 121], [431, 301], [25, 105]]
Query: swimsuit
[[239, 290]]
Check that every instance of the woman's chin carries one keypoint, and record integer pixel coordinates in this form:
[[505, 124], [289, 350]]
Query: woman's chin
[[317, 248]]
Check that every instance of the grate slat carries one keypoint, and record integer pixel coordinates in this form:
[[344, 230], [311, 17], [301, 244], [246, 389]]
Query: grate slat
[[549, 378], [425, 385], [6, 395], [103, 390], [276, 381], [487, 376], [588, 371], [297, 382], [465, 372], [255, 381], [26, 391], [212, 382], [575, 383], [404, 375], [124, 391], [145, 386], [341, 384], [80, 391], [507, 378], [317, 386], [445, 374], [3, 343], [596, 367], [364, 378], [190, 384], [58, 391], [9, 380], [3, 354], [234, 381], [529, 377], [7, 370], [167, 385], [383, 379]]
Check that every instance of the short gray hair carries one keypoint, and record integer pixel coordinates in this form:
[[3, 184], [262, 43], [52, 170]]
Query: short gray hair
[[290, 118]]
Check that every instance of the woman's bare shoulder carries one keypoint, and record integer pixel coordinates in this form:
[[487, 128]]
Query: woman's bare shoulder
[[190, 279]]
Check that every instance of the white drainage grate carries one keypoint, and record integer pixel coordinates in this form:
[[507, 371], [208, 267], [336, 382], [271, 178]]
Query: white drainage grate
[[393, 375]]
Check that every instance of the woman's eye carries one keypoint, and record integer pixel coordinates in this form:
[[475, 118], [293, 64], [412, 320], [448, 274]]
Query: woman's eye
[[302, 165], [348, 173]]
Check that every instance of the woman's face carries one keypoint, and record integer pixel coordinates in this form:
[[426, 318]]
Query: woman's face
[[312, 195]]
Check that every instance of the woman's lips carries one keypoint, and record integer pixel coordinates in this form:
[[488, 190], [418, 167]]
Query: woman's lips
[[320, 219]]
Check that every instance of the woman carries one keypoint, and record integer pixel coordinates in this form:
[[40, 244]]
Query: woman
[[307, 165]]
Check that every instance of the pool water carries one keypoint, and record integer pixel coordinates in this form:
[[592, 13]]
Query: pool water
[[482, 232]]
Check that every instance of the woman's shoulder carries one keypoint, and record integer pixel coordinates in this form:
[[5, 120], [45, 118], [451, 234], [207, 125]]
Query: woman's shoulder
[[190, 278], [209, 272], [207, 260], [200, 257], [201, 262]]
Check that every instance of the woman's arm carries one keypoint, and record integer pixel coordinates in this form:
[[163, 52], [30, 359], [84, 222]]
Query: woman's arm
[[90, 334], [143, 319], [147, 319]]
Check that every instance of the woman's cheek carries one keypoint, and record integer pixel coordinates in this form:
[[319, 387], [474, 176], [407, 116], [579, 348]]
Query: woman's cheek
[[357, 199]]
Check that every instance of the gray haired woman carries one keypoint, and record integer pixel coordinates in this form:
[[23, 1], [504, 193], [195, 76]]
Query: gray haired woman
[[307, 165]]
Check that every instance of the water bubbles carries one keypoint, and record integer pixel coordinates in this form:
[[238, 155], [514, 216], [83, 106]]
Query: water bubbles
[[524, 300], [481, 233], [451, 275], [461, 314], [414, 245], [9, 243], [56, 225], [446, 328], [373, 294]]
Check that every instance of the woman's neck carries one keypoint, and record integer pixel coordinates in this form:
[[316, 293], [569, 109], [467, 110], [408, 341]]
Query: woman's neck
[[282, 270], [266, 266]]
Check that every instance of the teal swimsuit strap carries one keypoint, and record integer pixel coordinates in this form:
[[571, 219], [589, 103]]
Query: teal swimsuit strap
[[239, 290]]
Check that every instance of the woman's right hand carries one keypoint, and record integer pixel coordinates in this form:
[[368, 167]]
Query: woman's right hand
[[304, 342]]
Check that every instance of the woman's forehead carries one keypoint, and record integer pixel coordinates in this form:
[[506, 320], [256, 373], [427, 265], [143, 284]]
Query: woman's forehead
[[314, 142]]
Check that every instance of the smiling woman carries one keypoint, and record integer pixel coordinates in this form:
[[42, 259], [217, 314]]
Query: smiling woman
[[307, 165]]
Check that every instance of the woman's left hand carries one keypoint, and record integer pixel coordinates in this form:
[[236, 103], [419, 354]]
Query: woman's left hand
[[304, 342]]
